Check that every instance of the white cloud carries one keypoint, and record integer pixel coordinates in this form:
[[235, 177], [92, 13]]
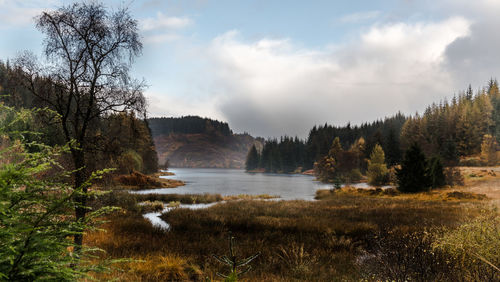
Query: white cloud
[[161, 28], [163, 22], [359, 17], [270, 87]]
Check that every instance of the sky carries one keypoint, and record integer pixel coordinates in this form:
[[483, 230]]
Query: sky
[[273, 68]]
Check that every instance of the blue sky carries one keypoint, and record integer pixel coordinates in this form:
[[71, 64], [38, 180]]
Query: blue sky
[[279, 67]]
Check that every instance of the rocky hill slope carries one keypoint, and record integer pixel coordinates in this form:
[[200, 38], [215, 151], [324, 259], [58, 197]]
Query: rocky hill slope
[[200, 143]]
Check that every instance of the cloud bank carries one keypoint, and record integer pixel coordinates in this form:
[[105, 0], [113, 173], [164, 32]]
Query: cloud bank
[[271, 87]]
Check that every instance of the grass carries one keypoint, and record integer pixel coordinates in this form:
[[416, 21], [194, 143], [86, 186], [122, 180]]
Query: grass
[[445, 194], [475, 241], [200, 198], [249, 197], [140, 181], [349, 234], [151, 206], [182, 198]]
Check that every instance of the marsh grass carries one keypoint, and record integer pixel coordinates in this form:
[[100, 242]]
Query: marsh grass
[[348, 235], [250, 197], [182, 198], [151, 206], [330, 234], [140, 181]]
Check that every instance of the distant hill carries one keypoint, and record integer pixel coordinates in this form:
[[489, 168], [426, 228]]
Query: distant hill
[[197, 142]]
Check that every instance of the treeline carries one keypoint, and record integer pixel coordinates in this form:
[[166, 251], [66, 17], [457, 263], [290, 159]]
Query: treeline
[[457, 129], [286, 155], [289, 154], [385, 132], [188, 125], [117, 140]]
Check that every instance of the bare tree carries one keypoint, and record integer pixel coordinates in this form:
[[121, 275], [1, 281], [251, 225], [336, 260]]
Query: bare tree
[[85, 76]]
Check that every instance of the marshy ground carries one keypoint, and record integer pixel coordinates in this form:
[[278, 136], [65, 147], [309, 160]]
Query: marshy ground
[[349, 234]]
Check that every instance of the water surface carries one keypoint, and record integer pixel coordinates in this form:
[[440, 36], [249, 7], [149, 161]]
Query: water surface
[[235, 182]]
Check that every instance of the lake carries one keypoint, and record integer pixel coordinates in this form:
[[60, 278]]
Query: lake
[[234, 182]]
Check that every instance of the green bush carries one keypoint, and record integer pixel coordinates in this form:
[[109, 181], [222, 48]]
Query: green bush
[[130, 161], [378, 174], [355, 175]]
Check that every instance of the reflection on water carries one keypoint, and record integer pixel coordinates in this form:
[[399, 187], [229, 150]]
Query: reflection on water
[[235, 182]]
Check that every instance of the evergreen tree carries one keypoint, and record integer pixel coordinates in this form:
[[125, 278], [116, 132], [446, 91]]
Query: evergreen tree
[[489, 150], [377, 169], [36, 219], [335, 149], [449, 153], [494, 95], [393, 148], [252, 161], [436, 173], [469, 94], [373, 140], [413, 176]]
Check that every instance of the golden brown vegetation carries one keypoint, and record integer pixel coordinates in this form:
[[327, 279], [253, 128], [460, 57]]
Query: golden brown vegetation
[[349, 235], [182, 198], [137, 181]]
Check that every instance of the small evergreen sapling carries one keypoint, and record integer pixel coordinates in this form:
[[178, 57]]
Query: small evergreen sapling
[[233, 262]]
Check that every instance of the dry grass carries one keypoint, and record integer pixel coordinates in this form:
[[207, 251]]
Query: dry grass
[[163, 173], [139, 181], [249, 197], [349, 235], [131, 236], [331, 234], [151, 206], [182, 198]]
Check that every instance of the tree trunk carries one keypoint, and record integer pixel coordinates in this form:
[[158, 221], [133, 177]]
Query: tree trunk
[[81, 197]]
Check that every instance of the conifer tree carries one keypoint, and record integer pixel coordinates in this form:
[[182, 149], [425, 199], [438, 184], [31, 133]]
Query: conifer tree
[[377, 169], [489, 150], [36, 219], [326, 169], [413, 176], [449, 153], [436, 173], [393, 148], [335, 149], [252, 161]]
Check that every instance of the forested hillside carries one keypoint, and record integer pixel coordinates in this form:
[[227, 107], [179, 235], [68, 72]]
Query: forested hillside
[[456, 130], [197, 142], [188, 125]]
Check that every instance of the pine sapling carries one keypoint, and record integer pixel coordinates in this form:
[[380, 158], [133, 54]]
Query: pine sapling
[[233, 262]]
